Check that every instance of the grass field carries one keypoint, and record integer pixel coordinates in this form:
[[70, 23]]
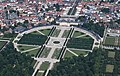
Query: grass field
[[45, 31], [109, 41], [44, 66], [80, 52], [36, 32], [109, 68], [9, 35], [39, 74], [33, 52], [119, 41], [65, 34], [23, 48], [111, 54], [77, 33], [33, 39], [87, 36], [56, 33], [112, 41], [45, 52], [68, 55], [56, 53], [2, 44], [80, 43], [87, 0], [33, 63]]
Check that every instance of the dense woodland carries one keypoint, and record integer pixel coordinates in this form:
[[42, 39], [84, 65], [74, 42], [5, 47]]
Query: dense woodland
[[92, 65], [13, 63], [97, 28], [79, 66]]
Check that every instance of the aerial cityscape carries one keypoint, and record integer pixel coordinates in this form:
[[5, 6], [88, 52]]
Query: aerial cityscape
[[59, 37]]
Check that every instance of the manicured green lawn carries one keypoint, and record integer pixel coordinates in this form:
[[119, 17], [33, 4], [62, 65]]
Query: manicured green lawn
[[87, 0], [9, 35], [39, 74], [23, 48], [87, 36], [33, 63], [45, 52], [56, 53], [68, 55], [44, 66], [1, 38], [45, 31], [111, 54], [56, 33], [33, 52], [80, 43], [77, 33], [36, 33], [65, 34], [33, 39], [109, 68], [109, 41], [2, 44], [80, 52], [96, 43], [119, 41], [112, 41]]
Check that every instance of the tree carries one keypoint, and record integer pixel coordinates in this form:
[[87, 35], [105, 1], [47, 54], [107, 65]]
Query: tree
[[13, 63], [79, 66]]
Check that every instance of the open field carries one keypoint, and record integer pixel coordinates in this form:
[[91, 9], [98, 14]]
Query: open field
[[45, 31]]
